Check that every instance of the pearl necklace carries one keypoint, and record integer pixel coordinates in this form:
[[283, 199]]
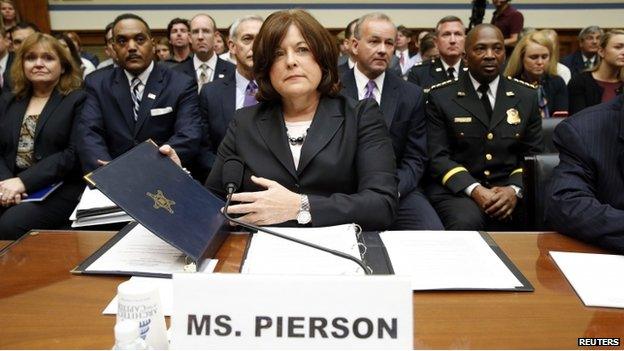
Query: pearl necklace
[[298, 140]]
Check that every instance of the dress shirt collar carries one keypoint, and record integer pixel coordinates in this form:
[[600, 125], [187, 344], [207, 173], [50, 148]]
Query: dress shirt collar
[[212, 62], [493, 88], [592, 59], [404, 52], [143, 76], [3, 62], [361, 80], [350, 62], [446, 67]]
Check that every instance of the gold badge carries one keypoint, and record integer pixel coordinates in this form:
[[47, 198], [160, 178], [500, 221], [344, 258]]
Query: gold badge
[[160, 201], [513, 117], [463, 119]]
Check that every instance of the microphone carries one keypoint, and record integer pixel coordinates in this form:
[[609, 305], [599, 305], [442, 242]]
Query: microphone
[[232, 177]]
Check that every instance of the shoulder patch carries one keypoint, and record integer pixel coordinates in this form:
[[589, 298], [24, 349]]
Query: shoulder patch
[[443, 84], [521, 82]]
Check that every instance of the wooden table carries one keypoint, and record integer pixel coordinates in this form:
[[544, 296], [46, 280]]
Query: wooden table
[[42, 305]]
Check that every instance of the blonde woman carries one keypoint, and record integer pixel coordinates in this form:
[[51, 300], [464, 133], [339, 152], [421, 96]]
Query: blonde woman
[[532, 62]]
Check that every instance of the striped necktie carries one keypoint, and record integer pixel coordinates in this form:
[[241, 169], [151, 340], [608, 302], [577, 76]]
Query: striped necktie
[[136, 96]]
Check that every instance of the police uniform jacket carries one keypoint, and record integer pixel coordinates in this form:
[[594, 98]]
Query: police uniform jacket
[[466, 147], [431, 72]]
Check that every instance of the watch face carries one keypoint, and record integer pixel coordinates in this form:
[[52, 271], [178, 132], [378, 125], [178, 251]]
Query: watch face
[[304, 217]]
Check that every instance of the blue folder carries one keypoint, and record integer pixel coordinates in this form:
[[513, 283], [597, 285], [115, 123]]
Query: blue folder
[[161, 196]]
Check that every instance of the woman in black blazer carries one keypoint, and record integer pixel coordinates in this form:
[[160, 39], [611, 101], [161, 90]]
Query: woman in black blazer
[[311, 157], [532, 62], [604, 81], [36, 138]]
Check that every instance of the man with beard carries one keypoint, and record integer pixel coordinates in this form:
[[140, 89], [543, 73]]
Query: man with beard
[[480, 128], [136, 101]]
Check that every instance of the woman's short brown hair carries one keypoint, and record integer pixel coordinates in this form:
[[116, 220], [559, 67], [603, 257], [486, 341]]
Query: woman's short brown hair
[[71, 75], [319, 40]]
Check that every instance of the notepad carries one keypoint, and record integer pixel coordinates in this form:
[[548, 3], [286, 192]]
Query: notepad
[[42, 194]]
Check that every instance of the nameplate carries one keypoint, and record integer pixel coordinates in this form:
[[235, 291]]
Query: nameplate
[[226, 311]]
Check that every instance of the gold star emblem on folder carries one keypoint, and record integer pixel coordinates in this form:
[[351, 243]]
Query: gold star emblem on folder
[[160, 201]]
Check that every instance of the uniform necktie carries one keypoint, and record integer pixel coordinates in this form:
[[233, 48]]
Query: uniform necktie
[[483, 89], [370, 90], [136, 97], [451, 72], [250, 94], [203, 75]]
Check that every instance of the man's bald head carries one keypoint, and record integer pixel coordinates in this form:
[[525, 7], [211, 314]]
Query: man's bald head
[[485, 52], [474, 33]]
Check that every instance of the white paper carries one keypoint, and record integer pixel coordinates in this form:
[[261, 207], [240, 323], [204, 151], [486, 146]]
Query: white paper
[[165, 288], [269, 254], [92, 199], [438, 260], [140, 251], [596, 278]]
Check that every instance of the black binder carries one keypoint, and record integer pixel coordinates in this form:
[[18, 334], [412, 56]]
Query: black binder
[[161, 196]]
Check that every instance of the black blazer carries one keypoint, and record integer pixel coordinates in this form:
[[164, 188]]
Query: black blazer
[[217, 103], [168, 114], [574, 62], [55, 148], [6, 76], [222, 69], [346, 167], [403, 107], [584, 92], [556, 93], [585, 196]]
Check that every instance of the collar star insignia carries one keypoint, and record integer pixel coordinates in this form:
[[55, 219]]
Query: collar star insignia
[[160, 201]]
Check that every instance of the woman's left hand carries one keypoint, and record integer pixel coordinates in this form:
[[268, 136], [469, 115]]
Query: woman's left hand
[[274, 205], [11, 191]]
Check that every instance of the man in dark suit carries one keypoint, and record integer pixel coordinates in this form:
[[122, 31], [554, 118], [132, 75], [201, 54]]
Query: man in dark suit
[[586, 57], [402, 105], [450, 36], [585, 197], [205, 66], [136, 101], [346, 62], [480, 128], [219, 99], [6, 59]]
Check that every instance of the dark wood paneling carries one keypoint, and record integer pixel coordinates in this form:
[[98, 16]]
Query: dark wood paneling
[[35, 11]]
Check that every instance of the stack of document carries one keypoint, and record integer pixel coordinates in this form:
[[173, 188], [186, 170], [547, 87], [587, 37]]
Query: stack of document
[[95, 208], [268, 254], [451, 260]]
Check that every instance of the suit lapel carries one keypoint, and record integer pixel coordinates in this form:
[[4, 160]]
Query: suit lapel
[[55, 100], [349, 86], [271, 127], [18, 118], [327, 120], [228, 99], [469, 100], [151, 92], [220, 69], [503, 102], [121, 93], [389, 98]]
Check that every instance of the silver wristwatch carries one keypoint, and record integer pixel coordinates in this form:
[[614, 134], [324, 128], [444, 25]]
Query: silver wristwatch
[[304, 216]]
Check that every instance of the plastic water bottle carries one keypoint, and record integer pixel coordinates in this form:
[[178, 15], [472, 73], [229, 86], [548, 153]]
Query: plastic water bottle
[[127, 336]]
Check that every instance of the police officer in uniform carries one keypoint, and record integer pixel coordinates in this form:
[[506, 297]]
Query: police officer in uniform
[[480, 128], [450, 35]]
